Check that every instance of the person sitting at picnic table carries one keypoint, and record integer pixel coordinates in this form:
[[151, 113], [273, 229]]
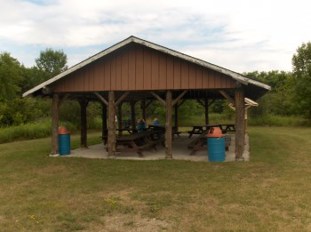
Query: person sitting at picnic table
[[141, 125], [156, 122]]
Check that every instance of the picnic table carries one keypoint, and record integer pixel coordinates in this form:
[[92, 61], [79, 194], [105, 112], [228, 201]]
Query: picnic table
[[227, 128], [200, 129], [138, 142], [162, 129]]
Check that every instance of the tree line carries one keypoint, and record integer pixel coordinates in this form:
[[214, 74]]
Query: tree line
[[290, 94]]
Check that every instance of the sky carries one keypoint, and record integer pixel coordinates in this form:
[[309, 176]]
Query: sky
[[241, 35]]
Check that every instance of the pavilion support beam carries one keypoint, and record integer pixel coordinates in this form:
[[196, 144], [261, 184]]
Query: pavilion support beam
[[83, 123], [101, 98], [239, 123], [175, 101], [104, 121], [159, 98], [55, 120], [205, 103], [111, 143], [227, 96], [123, 96], [133, 114], [168, 125]]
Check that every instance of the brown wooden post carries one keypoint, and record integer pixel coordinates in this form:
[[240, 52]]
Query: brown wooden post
[[83, 110], [133, 115], [55, 119], [206, 111], [120, 118], [111, 144], [239, 123], [168, 125], [104, 120]]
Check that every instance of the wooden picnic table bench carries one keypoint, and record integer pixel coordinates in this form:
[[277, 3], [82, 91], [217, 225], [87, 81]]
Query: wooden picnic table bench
[[162, 129], [227, 128], [138, 142], [200, 129], [196, 130]]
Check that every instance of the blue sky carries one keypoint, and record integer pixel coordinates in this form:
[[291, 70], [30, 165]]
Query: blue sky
[[241, 35]]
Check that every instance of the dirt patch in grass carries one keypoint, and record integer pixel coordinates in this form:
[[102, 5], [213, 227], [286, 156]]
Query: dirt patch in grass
[[130, 223]]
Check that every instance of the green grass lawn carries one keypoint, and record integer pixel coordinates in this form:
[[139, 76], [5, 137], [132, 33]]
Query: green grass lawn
[[272, 192]]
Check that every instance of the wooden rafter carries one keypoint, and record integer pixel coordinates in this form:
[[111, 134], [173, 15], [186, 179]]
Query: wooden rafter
[[101, 98], [181, 102], [159, 98], [227, 96], [179, 97], [123, 96]]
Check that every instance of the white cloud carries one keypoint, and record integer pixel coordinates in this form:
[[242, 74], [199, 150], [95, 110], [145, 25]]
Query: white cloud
[[241, 35]]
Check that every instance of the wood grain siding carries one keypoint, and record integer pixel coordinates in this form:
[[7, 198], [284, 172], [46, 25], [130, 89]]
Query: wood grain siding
[[125, 71], [184, 75], [169, 73], [107, 75], [162, 72], [155, 79], [132, 69], [147, 69], [113, 74], [141, 68], [177, 74], [192, 76]]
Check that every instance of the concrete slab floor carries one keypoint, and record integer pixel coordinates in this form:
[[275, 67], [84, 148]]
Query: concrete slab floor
[[180, 152]]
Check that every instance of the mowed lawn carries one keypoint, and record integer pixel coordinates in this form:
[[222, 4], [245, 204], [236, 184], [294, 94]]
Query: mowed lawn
[[272, 192]]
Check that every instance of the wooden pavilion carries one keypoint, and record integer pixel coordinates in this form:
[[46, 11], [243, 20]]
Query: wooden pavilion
[[138, 70]]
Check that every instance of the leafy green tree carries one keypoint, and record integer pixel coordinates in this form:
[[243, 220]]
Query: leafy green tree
[[302, 73], [32, 77], [10, 76], [280, 99], [51, 62]]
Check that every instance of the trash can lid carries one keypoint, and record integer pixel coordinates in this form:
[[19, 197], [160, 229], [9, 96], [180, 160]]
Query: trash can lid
[[215, 132], [62, 130]]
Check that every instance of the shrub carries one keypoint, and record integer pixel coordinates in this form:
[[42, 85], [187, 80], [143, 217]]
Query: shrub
[[26, 131], [39, 129]]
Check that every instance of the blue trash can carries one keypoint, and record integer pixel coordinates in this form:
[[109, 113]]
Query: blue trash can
[[216, 149], [63, 141]]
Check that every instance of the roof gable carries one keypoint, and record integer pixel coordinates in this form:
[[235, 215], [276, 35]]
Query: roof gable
[[132, 39]]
